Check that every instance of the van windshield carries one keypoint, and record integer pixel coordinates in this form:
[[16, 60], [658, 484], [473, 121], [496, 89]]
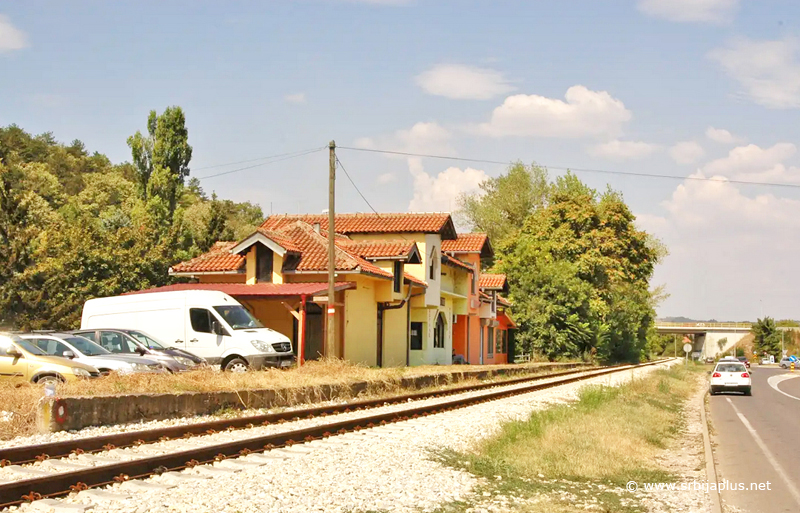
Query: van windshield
[[237, 317]]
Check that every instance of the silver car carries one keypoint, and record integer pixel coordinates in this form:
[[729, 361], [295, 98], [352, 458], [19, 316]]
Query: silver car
[[83, 350]]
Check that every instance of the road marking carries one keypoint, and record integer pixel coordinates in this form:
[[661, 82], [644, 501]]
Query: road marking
[[770, 458], [774, 381]]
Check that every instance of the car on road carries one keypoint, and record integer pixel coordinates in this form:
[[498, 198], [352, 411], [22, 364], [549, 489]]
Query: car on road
[[730, 375], [765, 361], [744, 360], [83, 350], [786, 363], [137, 342], [22, 360], [709, 359]]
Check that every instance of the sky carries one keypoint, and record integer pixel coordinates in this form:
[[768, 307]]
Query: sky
[[704, 90]]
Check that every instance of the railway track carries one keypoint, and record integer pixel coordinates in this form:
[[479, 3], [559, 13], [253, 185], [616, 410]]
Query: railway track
[[212, 442]]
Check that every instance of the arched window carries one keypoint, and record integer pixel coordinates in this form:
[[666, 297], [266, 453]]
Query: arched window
[[439, 331]]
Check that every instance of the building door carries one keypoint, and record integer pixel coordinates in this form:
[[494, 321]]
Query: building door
[[314, 332], [416, 336]]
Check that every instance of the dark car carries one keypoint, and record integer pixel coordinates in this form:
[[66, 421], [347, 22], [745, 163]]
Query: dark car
[[125, 341], [744, 360]]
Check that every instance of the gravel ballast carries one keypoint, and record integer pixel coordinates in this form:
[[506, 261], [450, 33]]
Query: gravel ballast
[[385, 468]]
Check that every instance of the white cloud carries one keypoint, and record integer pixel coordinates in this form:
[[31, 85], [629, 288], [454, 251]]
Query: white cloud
[[723, 241], [11, 38], [713, 11], [440, 193], [295, 98], [584, 113], [623, 150], [753, 163], [426, 138], [461, 82], [722, 136], [686, 152], [769, 71], [386, 178]]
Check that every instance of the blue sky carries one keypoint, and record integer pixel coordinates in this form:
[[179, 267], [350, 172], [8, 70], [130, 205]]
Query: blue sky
[[708, 88]]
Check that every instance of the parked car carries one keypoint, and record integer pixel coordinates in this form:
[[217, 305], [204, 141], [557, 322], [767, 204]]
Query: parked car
[[208, 323], [20, 359], [138, 342], [83, 350], [730, 375], [709, 359], [786, 363], [744, 360], [765, 361]]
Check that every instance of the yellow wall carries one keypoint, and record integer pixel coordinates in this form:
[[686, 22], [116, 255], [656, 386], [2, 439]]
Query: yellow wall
[[271, 313], [277, 267], [222, 278], [415, 270], [251, 265], [395, 337], [361, 323]]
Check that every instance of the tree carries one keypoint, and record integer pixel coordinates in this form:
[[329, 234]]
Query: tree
[[162, 161], [767, 338], [578, 268], [505, 202]]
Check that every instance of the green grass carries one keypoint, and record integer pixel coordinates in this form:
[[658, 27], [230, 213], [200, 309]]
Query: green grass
[[568, 456]]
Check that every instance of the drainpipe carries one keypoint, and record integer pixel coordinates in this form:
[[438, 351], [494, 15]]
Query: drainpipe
[[302, 328], [382, 307]]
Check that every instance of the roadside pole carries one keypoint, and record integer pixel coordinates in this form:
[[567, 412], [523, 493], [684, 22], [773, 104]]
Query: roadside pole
[[330, 340]]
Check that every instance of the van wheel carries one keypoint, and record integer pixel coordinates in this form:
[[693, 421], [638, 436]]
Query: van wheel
[[236, 365]]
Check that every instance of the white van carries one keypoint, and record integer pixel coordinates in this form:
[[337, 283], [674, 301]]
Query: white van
[[207, 323]]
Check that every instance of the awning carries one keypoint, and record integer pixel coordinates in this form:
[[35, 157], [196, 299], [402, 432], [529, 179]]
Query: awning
[[271, 290]]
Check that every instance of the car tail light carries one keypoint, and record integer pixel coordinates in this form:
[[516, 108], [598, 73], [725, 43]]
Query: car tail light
[[745, 375], [716, 375]]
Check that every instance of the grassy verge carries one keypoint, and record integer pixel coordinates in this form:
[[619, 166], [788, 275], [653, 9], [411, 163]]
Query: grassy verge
[[579, 457], [18, 400]]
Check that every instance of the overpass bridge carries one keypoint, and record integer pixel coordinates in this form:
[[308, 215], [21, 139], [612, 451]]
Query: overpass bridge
[[708, 336]]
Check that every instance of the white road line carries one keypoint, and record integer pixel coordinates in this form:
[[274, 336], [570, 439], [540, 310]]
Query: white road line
[[774, 381], [770, 458]]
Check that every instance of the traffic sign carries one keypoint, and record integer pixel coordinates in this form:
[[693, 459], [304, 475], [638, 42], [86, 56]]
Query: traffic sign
[[687, 348]]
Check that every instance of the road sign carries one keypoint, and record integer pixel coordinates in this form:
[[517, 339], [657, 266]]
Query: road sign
[[687, 348]]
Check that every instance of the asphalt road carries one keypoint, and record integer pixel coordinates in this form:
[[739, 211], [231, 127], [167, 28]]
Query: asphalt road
[[757, 440]]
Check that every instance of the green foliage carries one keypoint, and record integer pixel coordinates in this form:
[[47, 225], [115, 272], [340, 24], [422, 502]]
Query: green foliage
[[75, 226], [578, 268], [767, 338]]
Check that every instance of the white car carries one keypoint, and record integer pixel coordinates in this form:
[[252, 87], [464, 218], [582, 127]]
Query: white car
[[730, 375]]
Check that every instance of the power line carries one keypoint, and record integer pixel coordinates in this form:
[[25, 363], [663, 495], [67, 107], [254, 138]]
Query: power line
[[250, 160], [580, 170], [291, 156], [355, 186]]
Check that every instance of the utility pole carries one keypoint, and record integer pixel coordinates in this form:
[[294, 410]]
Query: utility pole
[[331, 339], [675, 343]]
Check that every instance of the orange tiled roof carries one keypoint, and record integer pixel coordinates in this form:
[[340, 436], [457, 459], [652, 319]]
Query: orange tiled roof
[[469, 243], [454, 262], [280, 239], [377, 248], [412, 222], [218, 259], [492, 281], [415, 280], [503, 301], [313, 249]]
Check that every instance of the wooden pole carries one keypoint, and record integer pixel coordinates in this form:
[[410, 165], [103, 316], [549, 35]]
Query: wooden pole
[[330, 342]]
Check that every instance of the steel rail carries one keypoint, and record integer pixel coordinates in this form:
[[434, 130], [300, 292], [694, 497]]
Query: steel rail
[[62, 449], [60, 484]]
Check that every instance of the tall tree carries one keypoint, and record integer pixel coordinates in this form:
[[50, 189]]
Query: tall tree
[[162, 161], [505, 202], [767, 338]]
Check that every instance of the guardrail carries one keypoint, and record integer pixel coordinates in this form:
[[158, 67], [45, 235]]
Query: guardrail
[[740, 325]]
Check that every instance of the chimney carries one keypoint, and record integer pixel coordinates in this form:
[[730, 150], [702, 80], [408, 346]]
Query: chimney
[[316, 227]]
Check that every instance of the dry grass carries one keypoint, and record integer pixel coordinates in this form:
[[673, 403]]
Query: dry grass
[[20, 399]]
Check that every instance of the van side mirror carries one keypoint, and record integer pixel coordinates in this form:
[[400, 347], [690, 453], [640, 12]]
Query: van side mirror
[[216, 328], [68, 354]]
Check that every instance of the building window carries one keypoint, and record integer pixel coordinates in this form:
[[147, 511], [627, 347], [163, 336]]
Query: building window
[[263, 264], [398, 276], [432, 269], [416, 336], [490, 340], [500, 341], [438, 332]]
